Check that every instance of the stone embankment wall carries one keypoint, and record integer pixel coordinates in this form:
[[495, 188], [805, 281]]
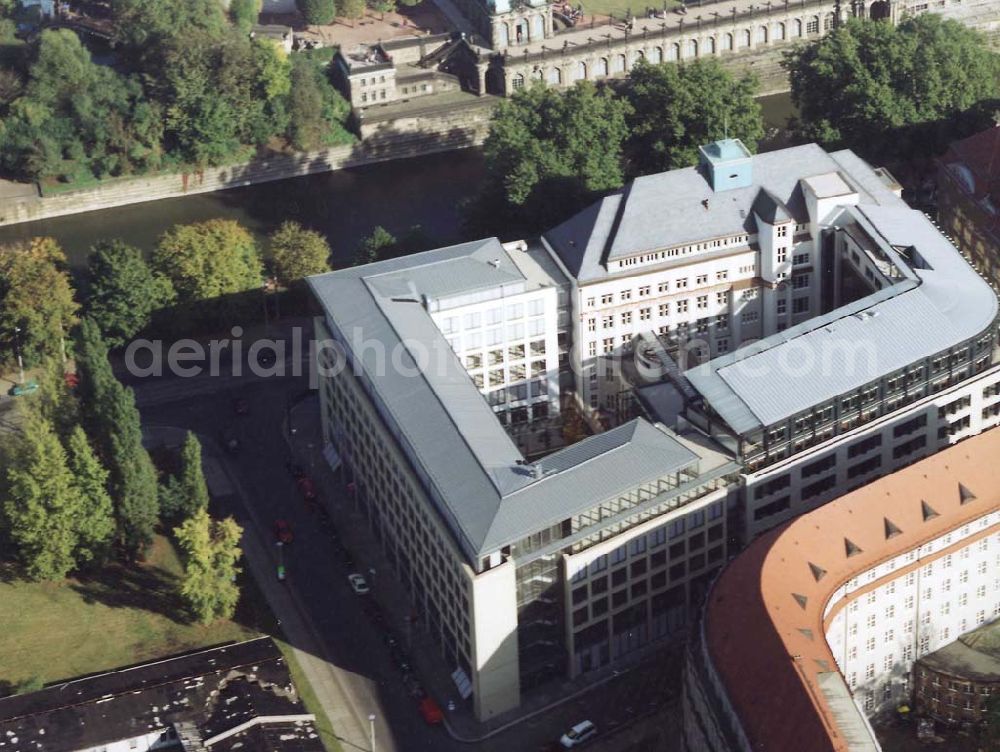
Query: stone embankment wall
[[426, 132]]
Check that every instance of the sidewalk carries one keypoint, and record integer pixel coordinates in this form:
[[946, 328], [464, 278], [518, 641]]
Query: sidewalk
[[352, 527]]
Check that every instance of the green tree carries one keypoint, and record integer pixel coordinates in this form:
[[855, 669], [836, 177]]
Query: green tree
[[317, 113], [77, 118], [296, 252], [351, 8], [42, 505], [887, 90], [317, 11], [548, 154], [54, 401], [208, 259], [113, 421], [124, 292], [96, 522], [383, 6], [210, 550], [989, 737], [36, 299], [374, 246], [244, 13], [677, 108], [187, 492], [142, 24]]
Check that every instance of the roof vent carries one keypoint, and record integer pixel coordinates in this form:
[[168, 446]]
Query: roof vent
[[495, 263], [851, 548], [964, 494], [927, 511], [817, 571], [801, 600], [891, 531]]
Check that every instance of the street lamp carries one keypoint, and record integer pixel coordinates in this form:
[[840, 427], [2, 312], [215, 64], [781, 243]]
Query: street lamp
[[371, 728], [17, 347]]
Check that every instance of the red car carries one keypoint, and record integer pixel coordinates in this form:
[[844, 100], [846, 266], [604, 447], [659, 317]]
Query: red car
[[306, 487], [283, 532], [431, 711]]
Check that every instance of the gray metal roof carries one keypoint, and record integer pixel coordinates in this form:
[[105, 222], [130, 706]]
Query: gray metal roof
[[930, 310], [669, 209], [472, 470]]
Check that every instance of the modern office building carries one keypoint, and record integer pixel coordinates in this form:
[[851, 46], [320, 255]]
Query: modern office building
[[817, 625], [750, 338], [523, 571]]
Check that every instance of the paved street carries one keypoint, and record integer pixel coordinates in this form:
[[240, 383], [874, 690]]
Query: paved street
[[342, 650]]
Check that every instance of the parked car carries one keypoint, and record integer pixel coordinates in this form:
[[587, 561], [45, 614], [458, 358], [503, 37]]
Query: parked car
[[390, 638], [283, 532], [306, 487], [232, 444], [431, 711], [294, 470], [579, 735], [358, 584], [347, 558], [240, 406]]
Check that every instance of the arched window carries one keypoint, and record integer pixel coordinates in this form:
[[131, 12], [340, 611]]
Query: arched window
[[517, 82], [637, 56], [601, 69], [619, 64], [538, 27], [828, 22], [674, 52], [812, 25], [727, 41], [656, 55], [581, 71], [711, 45], [538, 75], [692, 48], [504, 32], [762, 35], [782, 31], [555, 76], [745, 38], [797, 27]]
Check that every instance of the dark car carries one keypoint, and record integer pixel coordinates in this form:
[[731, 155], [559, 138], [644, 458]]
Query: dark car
[[294, 470], [240, 406], [283, 532], [413, 687], [345, 556]]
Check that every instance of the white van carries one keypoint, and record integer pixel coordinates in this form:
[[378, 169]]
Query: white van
[[578, 735]]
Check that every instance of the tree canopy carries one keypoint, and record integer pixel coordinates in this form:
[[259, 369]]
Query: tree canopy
[[37, 309], [42, 507], [547, 154], [210, 550], [677, 108], [295, 252], [372, 247], [889, 90], [317, 11], [123, 292], [209, 259], [245, 13], [316, 110], [187, 492]]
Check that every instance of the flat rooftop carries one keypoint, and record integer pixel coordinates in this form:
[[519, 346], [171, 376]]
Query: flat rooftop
[[937, 304]]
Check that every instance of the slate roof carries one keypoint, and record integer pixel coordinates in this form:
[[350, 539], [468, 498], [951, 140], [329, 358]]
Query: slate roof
[[766, 613], [679, 207], [940, 303], [974, 655], [215, 689], [472, 470]]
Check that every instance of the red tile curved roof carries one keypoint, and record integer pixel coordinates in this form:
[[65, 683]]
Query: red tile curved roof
[[764, 617]]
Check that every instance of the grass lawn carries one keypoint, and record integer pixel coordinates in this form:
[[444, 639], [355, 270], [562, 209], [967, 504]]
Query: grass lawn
[[122, 616], [620, 7]]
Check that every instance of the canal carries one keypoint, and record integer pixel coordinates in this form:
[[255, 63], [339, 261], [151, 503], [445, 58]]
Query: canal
[[345, 205]]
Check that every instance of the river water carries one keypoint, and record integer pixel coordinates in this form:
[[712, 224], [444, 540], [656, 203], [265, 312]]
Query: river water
[[345, 205]]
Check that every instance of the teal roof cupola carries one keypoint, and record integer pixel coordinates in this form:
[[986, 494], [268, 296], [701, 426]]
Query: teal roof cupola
[[727, 163]]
